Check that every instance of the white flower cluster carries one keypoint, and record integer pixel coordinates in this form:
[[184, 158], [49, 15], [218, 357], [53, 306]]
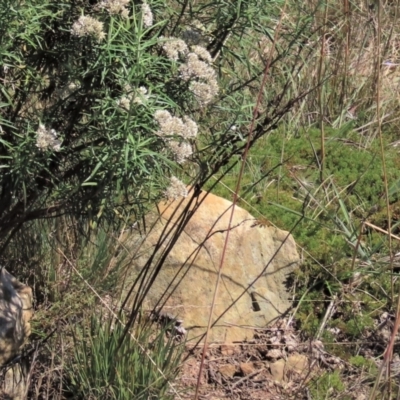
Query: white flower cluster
[[181, 150], [115, 7], [174, 126], [198, 71], [141, 96], [204, 92], [176, 189], [147, 15], [46, 139], [124, 102], [176, 132], [202, 53], [88, 26], [173, 47]]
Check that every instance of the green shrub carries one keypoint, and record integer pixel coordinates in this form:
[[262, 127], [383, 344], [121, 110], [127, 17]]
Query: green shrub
[[330, 217], [103, 104], [328, 386], [364, 363]]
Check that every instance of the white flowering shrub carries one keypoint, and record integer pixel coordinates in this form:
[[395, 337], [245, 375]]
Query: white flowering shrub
[[106, 103], [108, 106]]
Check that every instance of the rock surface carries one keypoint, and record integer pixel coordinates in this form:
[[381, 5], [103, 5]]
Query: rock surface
[[15, 314], [298, 363], [15, 384], [252, 291]]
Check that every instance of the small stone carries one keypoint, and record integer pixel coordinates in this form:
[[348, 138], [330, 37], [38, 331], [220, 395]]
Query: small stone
[[247, 368], [298, 363], [227, 349], [361, 396], [227, 370], [277, 370]]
